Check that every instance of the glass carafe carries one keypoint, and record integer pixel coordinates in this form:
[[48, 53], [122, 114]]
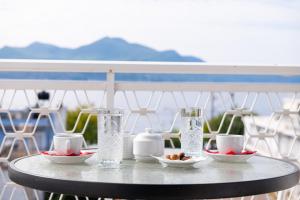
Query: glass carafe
[[191, 131]]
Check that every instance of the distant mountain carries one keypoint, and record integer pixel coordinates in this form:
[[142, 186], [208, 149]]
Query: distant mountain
[[103, 49]]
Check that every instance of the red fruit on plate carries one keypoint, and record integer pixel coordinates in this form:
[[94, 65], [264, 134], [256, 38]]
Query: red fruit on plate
[[248, 152], [230, 153], [53, 153]]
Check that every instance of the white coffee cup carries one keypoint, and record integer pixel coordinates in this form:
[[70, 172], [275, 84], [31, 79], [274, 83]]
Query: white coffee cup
[[67, 144], [227, 143]]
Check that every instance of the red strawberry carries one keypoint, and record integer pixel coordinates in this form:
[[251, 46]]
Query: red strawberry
[[248, 152], [230, 152]]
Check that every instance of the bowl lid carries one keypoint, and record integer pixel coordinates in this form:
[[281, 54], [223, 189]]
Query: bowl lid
[[148, 134]]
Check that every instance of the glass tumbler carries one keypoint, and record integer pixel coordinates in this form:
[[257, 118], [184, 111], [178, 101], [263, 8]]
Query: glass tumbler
[[110, 139], [191, 131]]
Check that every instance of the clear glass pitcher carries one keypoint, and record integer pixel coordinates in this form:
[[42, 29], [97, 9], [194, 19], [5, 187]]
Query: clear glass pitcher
[[191, 131], [110, 138]]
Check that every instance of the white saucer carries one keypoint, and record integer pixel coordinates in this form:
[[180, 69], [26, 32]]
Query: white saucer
[[230, 158], [67, 159], [179, 163]]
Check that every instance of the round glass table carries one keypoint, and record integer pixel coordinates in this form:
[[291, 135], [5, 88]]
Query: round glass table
[[133, 180]]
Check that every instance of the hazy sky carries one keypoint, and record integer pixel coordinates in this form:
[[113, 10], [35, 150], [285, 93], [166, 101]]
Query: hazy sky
[[226, 31]]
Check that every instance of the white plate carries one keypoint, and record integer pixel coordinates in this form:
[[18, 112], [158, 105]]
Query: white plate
[[179, 163], [67, 159], [230, 158]]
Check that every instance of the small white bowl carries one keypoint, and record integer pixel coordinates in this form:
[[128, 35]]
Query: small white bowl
[[147, 144]]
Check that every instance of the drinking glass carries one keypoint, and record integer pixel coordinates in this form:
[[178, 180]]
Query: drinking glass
[[110, 139], [191, 131]]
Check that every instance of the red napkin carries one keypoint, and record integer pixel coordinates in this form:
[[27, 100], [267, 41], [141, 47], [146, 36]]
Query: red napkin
[[54, 153], [246, 152]]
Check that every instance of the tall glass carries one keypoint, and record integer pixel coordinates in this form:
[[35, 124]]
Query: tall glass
[[191, 131], [110, 139]]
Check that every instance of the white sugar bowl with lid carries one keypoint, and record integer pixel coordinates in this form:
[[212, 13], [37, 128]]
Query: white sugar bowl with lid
[[148, 144]]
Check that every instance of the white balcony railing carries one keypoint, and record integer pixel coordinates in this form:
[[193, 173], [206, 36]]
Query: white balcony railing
[[269, 108]]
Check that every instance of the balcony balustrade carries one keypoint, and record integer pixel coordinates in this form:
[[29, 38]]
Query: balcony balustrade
[[265, 98]]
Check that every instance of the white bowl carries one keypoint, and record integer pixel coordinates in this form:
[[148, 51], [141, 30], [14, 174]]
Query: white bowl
[[148, 144]]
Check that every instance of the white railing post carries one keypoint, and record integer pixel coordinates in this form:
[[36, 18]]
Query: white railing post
[[110, 89]]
